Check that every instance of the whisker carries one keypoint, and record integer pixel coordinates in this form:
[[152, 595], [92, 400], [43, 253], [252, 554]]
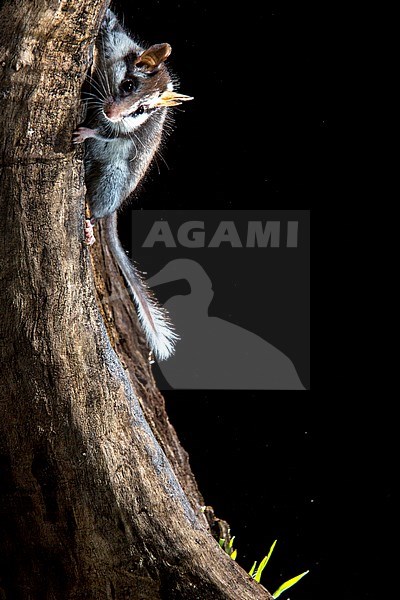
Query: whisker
[[160, 154], [105, 73], [89, 94], [93, 116], [104, 84], [97, 87], [139, 140], [91, 102], [158, 166]]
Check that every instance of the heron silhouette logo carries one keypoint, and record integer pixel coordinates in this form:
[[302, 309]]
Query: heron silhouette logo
[[225, 305]]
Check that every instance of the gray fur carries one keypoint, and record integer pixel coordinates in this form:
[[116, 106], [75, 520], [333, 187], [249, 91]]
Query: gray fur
[[119, 156], [119, 151]]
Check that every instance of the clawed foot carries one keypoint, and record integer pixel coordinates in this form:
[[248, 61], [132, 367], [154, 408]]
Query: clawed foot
[[82, 134], [89, 237]]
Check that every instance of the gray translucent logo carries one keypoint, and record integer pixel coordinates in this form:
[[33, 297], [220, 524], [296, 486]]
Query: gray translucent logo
[[192, 234], [229, 282], [213, 353]]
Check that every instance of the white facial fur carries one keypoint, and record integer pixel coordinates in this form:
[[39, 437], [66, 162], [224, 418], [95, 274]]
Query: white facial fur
[[130, 123]]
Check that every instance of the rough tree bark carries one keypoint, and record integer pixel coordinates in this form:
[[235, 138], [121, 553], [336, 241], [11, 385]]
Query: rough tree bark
[[97, 499]]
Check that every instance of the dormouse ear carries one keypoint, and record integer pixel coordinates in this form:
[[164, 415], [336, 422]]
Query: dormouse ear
[[152, 58]]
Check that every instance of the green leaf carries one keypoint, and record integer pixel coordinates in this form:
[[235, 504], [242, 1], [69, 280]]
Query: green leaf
[[230, 545], [253, 568], [222, 542], [234, 555], [288, 584], [264, 563]]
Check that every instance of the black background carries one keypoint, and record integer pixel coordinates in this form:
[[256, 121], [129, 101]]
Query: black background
[[312, 470]]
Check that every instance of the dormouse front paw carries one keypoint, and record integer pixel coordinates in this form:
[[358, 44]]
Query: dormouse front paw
[[82, 134]]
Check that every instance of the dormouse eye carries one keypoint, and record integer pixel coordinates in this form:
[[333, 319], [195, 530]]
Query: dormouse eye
[[127, 86]]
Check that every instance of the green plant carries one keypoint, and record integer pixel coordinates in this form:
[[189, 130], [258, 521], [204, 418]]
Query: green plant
[[228, 547], [256, 572], [288, 584]]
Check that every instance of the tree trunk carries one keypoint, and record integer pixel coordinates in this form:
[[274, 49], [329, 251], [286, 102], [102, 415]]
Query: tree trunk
[[97, 499]]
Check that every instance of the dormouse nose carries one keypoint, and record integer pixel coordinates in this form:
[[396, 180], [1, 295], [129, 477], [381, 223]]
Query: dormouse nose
[[111, 108]]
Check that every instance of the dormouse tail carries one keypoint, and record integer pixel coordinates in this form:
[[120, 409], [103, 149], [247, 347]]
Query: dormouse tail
[[154, 319]]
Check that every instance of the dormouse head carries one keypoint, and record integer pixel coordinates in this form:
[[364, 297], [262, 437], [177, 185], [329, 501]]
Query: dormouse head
[[137, 85]]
